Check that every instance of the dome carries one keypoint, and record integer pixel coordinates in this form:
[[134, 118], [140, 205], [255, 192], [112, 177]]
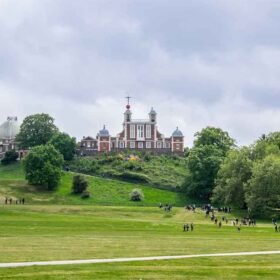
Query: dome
[[104, 132], [9, 129], [177, 133]]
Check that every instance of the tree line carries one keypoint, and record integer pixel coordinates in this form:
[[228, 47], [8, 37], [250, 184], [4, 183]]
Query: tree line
[[217, 170], [242, 177]]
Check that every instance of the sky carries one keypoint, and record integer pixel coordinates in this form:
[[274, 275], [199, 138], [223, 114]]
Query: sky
[[197, 62]]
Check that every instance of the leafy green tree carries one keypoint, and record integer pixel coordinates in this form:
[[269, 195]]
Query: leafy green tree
[[263, 190], [266, 145], [79, 184], [43, 166], [36, 130], [204, 159], [10, 157], [214, 137], [203, 165], [64, 144], [232, 178]]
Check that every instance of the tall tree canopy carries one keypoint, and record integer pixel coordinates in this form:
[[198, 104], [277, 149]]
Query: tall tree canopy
[[64, 144], [232, 178], [210, 147], [43, 166], [36, 130], [214, 136], [263, 191]]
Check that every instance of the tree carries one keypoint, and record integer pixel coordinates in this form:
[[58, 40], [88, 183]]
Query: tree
[[204, 159], [64, 144], [79, 184], [263, 191], [203, 164], [36, 130], [232, 178], [215, 137], [43, 166], [10, 157], [266, 145]]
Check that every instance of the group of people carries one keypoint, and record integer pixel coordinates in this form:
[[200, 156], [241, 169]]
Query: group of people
[[167, 207], [190, 207], [188, 227], [16, 201], [210, 212]]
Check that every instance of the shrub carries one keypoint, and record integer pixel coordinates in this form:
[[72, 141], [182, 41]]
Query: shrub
[[10, 157], [136, 195], [79, 185], [134, 177], [85, 194]]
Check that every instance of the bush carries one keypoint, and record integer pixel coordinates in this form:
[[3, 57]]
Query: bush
[[79, 185], [134, 177], [85, 194], [10, 157], [136, 195]]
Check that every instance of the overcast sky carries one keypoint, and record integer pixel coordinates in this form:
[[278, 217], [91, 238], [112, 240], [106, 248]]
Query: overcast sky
[[197, 62]]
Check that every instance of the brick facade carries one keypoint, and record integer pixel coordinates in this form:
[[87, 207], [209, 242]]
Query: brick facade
[[136, 135]]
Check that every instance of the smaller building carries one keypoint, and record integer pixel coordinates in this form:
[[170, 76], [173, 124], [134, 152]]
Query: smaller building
[[8, 131]]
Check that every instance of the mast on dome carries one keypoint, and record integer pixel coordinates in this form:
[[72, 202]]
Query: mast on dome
[[128, 102], [127, 114]]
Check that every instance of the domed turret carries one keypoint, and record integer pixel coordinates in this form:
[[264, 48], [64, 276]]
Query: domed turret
[[153, 115], [177, 133], [9, 129], [127, 113], [104, 132]]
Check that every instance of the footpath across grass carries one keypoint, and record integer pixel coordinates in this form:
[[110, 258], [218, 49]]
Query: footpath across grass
[[244, 268]]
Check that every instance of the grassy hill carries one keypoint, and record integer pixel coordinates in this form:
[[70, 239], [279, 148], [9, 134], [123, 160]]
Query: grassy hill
[[103, 191], [161, 171]]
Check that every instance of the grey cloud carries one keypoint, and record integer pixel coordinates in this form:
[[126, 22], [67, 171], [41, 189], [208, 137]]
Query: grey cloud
[[198, 62]]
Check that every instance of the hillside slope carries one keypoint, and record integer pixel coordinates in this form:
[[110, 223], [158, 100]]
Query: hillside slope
[[161, 171], [103, 191]]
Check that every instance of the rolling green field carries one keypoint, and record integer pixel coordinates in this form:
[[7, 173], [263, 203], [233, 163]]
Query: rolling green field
[[103, 191], [60, 226], [37, 233]]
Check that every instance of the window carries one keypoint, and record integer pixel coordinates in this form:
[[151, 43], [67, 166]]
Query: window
[[140, 145], [140, 131], [88, 144], [132, 145], [121, 144], [159, 145], [148, 145], [132, 131], [167, 145], [148, 131]]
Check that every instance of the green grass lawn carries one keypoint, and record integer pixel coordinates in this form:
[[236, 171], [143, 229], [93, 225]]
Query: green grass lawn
[[103, 191], [37, 233], [59, 226]]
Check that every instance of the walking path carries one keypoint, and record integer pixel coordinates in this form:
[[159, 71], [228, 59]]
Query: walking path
[[44, 263]]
